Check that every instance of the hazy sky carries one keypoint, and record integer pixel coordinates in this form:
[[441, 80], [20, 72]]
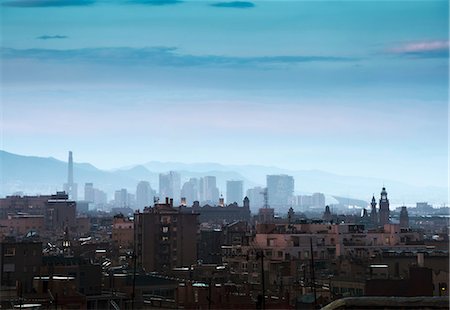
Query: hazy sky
[[351, 87]]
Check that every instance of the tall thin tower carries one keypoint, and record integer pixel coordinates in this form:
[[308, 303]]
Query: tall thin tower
[[70, 172], [70, 187]]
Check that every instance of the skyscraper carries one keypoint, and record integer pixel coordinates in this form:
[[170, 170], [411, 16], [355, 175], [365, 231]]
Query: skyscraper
[[170, 186], [256, 197], [89, 192], [209, 192], [190, 190], [70, 187], [144, 194], [280, 189], [121, 198], [234, 191]]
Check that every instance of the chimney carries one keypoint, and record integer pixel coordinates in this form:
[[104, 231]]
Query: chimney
[[420, 259], [171, 202], [167, 200], [183, 201]]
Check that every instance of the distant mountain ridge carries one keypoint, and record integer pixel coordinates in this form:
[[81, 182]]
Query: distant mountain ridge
[[31, 174]]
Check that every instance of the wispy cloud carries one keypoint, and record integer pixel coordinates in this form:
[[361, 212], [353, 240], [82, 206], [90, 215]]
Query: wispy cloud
[[234, 4], [51, 37], [46, 3], [162, 56], [427, 49]]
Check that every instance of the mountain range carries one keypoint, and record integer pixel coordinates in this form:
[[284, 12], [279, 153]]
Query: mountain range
[[32, 175]]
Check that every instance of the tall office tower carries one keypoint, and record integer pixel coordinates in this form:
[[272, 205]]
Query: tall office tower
[[70, 187], [144, 195], [170, 186], [318, 200], [235, 191], [209, 190], [373, 213], [280, 189], [190, 190], [121, 198], [100, 197], [384, 208], [165, 237], [256, 197], [89, 192], [404, 218]]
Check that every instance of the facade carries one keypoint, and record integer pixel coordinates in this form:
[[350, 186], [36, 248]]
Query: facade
[[165, 237], [60, 213], [170, 185], [404, 218], [121, 198], [19, 262], [222, 213], [122, 232], [190, 191], [316, 200], [256, 197], [373, 213], [208, 191], [235, 191], [384, 208], [20, 225], [144, 195], [89, 192], [280, 190]]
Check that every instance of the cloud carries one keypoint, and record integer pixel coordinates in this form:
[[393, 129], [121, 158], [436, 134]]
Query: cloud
[[234, 4], [46, 3], [162, 56], [50, 37], [426, 49], [155, 2]]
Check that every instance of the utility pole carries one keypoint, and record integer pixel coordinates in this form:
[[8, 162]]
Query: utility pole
[[134, 278], [263, 282], [313, 278]]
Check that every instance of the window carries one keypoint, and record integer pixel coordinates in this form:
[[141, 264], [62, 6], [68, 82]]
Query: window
[[165, 229], [280, 254], [10, 252]]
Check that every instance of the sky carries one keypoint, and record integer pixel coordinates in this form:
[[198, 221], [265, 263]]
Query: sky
[[350, 87]]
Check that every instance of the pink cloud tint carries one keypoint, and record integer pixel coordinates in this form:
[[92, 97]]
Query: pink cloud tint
[[422, 47]]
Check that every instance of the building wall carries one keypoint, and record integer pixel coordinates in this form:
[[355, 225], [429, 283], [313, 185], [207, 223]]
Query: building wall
[[165, 238]]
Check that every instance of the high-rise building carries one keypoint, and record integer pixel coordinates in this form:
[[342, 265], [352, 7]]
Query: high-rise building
[[170, 185], [121, 198], [209, 192], [165, 237], [235, 191], [318, 200], [70, 187], [256, 197], [190, 191], [89, 192], [280, 189], [144, 195], [384, 208]]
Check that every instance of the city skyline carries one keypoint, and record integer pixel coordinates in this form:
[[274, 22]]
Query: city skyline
[[353, 88]]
